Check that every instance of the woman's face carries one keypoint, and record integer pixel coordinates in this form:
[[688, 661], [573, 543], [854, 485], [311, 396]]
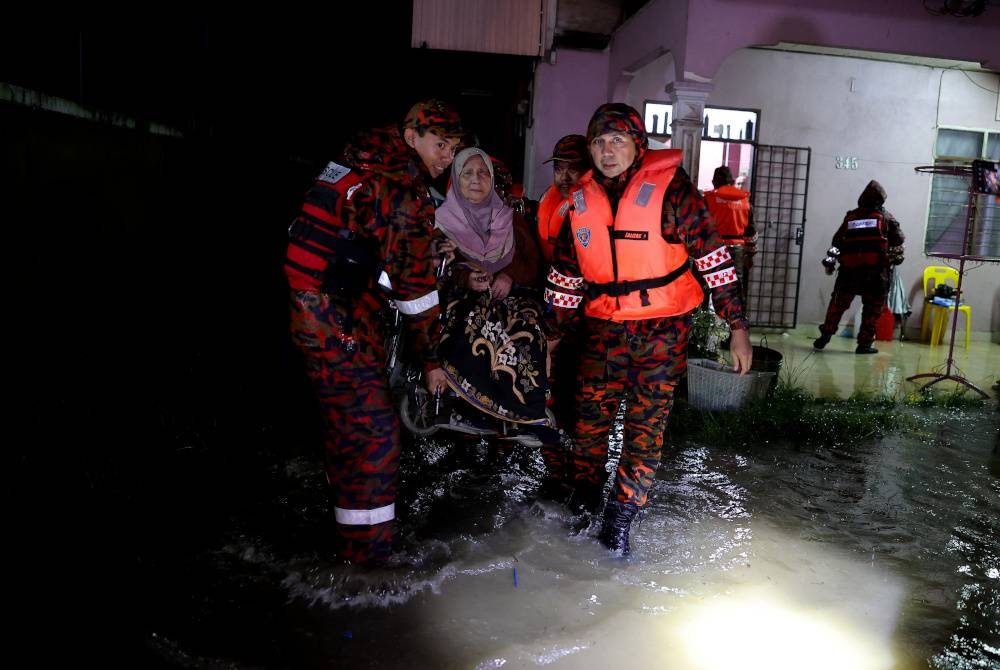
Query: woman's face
[[474, 182], [612, 153]]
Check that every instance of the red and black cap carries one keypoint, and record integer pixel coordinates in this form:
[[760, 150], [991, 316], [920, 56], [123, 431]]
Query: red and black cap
[[435, 116], [571, 149]]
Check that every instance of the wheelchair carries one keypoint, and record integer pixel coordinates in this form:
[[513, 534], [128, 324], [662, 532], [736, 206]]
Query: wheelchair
[[423, 413]]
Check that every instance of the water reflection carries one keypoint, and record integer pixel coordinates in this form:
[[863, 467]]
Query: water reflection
[[882, 554]]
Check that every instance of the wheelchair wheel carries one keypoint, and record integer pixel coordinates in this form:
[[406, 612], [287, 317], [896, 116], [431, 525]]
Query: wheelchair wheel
[[416, 411]]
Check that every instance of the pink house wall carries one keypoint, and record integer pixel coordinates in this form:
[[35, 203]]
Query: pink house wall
[[701, 34], [568, 98]]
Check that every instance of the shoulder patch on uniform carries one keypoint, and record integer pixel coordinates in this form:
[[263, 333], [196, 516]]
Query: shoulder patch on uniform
[[333, 172], [583, 234]]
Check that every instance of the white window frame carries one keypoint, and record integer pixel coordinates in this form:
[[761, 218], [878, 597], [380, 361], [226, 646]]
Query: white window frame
[[948, 202], [718, 133]]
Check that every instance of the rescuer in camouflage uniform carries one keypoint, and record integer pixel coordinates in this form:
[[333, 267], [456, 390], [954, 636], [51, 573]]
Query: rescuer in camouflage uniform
[[362, 239], [637, 231], [570, 160]]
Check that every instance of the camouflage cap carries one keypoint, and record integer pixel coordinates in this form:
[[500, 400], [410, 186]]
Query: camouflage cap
[[435, 116], [572, 149]]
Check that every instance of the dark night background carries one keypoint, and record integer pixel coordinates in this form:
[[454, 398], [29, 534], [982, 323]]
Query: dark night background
[[155, 385]]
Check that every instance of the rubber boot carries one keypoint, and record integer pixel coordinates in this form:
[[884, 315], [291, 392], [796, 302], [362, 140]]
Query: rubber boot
[[617, 523]]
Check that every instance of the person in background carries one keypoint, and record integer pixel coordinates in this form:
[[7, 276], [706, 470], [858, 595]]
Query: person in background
[[730, 207], [867, 244], [493, 349], [570, 160], [637, 232], [362, 239]]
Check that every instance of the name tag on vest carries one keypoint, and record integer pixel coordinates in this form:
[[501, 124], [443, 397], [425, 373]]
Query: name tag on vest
[[862, 223]]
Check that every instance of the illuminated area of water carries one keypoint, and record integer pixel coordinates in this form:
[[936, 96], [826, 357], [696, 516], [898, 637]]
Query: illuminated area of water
[[883, 554]]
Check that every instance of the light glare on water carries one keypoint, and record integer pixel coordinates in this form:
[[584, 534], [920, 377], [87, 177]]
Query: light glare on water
[[882, 554]]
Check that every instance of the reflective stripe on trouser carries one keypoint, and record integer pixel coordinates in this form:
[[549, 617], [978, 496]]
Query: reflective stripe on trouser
[[872, 286], [361, 427], [638, 362]]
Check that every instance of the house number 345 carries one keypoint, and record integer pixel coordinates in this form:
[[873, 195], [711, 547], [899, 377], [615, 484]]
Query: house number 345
[[847, 162]]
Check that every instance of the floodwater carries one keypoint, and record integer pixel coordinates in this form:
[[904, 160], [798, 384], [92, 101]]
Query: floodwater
[[883, 554]]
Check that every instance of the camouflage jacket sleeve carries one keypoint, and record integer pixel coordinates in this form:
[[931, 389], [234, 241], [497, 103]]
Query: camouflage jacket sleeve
[[750, 235], [894, 231], [401, 219], [686, 220], [896, 239]]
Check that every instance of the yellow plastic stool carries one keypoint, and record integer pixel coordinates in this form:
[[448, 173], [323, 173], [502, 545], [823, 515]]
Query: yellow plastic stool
[[939, 314]]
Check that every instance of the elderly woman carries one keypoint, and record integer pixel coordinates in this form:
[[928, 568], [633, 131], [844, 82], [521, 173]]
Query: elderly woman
[[493, 350]]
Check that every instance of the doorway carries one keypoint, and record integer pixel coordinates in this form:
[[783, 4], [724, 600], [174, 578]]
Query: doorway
[[780, 179]]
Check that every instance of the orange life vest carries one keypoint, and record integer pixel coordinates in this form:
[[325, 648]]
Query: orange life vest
[[552, 209], [730, 208], [631, 271], [864, 240]]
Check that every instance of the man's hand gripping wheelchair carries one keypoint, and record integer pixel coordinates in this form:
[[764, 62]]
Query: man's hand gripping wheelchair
[[423, 413]]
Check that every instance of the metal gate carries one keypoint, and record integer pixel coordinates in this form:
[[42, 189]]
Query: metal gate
[[780, 182]]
